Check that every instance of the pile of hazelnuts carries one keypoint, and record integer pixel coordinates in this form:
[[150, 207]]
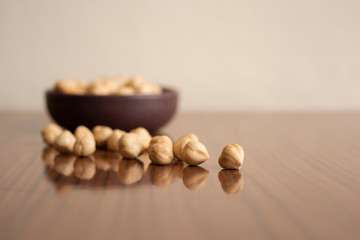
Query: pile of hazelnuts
[[161, 149]]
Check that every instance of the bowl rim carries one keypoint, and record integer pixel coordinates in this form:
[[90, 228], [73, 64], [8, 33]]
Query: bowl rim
[[166, 92]]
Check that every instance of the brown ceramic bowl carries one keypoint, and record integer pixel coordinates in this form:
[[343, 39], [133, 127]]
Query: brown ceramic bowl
[[115, 111]]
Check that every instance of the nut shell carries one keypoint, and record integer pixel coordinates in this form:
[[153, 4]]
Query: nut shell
[[181, 142], [130, 145], [195, 153], [50, 132], [232, 157], [65, 142], [112, 142], [84, 146], [101, 134]]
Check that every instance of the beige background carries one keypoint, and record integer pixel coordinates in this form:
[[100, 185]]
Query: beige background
[[222, 55]]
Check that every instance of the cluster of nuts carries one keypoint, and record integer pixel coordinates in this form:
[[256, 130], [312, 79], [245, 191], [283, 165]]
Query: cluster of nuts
[[120, 85], [128, 172], [132, 144]]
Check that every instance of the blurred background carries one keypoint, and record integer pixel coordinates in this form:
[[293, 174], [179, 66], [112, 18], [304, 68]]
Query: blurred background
[[232, 55]]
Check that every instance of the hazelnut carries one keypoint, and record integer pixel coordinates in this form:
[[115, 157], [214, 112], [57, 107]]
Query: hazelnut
[[161, 150], [84, 146], [82, 131], [136, 82], [194, 177], [130, 171], [231, 181], [144, 135], [195, 153], [130, 145], [101, 134], [65, 142], [232, 157], [125, 90], [148, 88], [180, 143], [84, 168], [50, 132], [70, 86], [103, 86], [112, 142]]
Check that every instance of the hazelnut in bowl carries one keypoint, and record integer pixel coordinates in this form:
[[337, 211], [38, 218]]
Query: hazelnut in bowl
[[120, 103]]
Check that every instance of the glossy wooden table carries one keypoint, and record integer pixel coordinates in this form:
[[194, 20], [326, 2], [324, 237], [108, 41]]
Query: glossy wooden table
[[300, 180]]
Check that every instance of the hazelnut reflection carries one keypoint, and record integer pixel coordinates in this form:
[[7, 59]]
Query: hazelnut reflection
[[144, 158], [194, 177], [84, 168], [107, 161], [130, 171], [64, 164], [231, 181], [160, 175], [177, 168], [48, 155]]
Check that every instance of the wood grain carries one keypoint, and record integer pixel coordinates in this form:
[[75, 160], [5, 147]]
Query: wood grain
[[300, 180]]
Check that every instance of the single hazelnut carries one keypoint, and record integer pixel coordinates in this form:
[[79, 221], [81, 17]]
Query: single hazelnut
[[180, 143], [84, 168], [50, 132], [194, 177], [195, 153], [82, 131], [70, 86], [112, 142], [101, 134], [65, 142], [161, 150], [130, 145], [84, 146], [144, 136], [232, 157], [231, 181]]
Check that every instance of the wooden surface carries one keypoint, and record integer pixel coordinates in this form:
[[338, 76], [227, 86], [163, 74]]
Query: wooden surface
[[300, 180]]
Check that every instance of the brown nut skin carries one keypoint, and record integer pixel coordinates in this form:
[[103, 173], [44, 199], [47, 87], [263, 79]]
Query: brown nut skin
[[161, 153], [65, 142], [112, 142], [130, 171], [84, 168], [82, 131], [130, 145], [180, 143], [195, 153], [84, 146], [232, 157], [194, 177], [50, 132], [231, 181], [101, 134], [144, 136]]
